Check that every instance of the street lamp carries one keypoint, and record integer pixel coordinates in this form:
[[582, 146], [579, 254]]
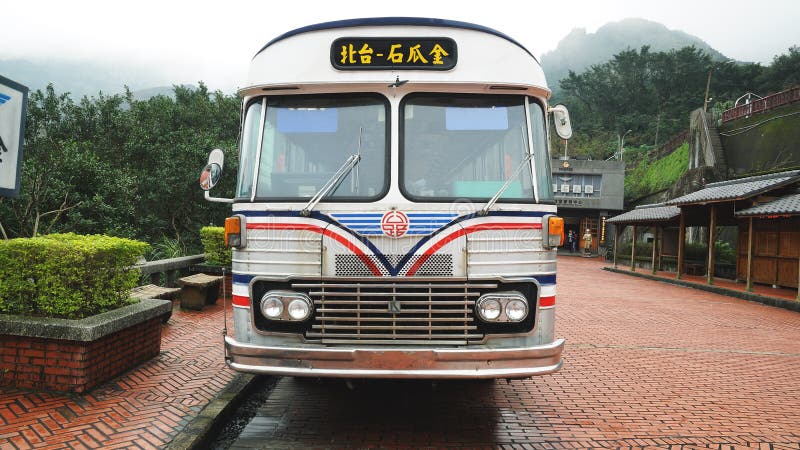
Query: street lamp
[[708, 82], [622, 143]]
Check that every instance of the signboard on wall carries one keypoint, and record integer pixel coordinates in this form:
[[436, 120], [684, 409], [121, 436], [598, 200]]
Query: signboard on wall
[[13, 104]]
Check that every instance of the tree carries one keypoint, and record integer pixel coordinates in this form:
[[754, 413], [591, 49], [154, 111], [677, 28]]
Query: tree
[[115, 165], [783, 73]]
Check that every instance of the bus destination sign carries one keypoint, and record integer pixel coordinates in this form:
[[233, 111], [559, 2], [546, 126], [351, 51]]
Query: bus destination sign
[[365, 53]]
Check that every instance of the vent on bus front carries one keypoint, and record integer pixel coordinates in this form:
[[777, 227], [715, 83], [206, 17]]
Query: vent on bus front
[[353, 266]]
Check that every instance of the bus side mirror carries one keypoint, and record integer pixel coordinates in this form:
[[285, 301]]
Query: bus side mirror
[[561, 119], [211, 174]]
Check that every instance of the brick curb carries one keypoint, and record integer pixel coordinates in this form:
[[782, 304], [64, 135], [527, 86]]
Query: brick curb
[[771, 301], [199, 431]]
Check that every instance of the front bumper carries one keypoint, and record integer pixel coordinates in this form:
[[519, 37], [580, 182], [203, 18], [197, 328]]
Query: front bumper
[[405, 362]]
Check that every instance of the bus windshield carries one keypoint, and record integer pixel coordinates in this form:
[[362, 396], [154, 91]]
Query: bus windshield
[[458, 146], [305, 139]]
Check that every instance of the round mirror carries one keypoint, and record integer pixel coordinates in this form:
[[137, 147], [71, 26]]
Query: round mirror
[[210, 176], [561, 119]]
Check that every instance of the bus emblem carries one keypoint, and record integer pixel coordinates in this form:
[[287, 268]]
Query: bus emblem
[[394, 224]]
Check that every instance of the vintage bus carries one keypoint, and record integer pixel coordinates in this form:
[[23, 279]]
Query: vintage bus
[[394, 215]]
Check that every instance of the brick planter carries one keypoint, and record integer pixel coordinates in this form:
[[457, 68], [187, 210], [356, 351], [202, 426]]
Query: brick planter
[[76, 355]]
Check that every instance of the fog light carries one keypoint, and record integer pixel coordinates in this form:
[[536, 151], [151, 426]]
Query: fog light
[[271, 306], [299, 309], [516, 310], [489, 309]]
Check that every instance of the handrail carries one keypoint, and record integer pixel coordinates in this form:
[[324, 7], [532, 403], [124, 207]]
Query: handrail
[[170, 267], [708, 135], [761, 105], [163, 265]]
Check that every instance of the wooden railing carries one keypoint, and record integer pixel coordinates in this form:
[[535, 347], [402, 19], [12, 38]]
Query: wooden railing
[[764, 104], [164, 272]]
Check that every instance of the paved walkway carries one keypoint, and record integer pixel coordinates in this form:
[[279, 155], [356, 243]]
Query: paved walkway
[[647, 364], [701, 281], [144, 408]]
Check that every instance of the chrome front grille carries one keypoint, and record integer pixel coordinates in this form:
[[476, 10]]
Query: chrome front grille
[[377, 312]]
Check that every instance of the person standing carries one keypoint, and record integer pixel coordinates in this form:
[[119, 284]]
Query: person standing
[[571, 241], [587, 242]]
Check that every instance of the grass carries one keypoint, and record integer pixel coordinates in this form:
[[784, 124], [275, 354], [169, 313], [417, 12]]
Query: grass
[[649, 178]]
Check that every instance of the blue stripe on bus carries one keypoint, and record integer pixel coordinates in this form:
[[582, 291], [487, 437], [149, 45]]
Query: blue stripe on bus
[[545, 279], [242, 279]]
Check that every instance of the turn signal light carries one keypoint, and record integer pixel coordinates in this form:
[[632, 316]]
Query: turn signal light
[[555, 230], [233, 231], [552, 231]]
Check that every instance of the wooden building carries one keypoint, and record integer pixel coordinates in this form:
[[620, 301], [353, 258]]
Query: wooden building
[[766, 211]]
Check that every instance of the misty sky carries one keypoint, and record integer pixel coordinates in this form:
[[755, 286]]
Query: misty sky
[[185, 42]]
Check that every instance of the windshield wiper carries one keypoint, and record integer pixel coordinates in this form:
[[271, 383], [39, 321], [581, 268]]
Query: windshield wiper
[[334, 181], [505, 185]]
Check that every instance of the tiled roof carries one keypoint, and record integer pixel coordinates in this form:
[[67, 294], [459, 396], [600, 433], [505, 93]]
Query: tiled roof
[[789, 204], [737, 189], [648, 213]]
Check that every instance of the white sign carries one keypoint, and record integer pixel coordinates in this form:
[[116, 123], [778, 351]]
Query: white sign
[[576, 188], [565, 188], [13, 102], [589, 189]]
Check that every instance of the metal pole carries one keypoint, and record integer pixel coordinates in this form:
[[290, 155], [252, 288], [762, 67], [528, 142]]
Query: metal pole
[[616, 243], [708, 85], [224, 305]]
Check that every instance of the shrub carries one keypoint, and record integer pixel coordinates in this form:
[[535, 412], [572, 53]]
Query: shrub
[[68, 276], [217, 253], [167, 248]]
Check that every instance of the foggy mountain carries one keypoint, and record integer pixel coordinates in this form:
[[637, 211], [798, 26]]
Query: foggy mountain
[[579, 49]]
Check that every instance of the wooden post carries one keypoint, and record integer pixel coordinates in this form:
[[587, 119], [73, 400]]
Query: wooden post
[[749, 286], [712, 237], [681, 239], [660, 245], [616, 242], [633, 250], [655, 247]]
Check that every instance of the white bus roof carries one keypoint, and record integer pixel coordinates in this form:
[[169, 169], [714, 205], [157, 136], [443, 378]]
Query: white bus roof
[[486, 59]]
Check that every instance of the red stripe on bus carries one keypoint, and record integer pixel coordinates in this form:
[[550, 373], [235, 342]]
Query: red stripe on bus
[[239, 300], [463, 231], [324, 231], [547, 301]]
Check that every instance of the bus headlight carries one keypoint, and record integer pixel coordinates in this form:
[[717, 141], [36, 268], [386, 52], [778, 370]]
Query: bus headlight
[[299, 309], [286, 305], [271, 306], [516, 310], [509, 306], [489, 309]]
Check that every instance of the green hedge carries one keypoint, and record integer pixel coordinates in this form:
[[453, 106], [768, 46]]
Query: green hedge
[[68, 276], [217, 253]]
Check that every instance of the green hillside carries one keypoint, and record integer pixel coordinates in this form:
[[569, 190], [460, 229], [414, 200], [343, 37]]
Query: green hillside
[[650, 177]]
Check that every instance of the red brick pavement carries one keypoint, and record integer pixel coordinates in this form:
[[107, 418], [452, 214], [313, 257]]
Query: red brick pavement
[[646, 365], [144, 408]]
